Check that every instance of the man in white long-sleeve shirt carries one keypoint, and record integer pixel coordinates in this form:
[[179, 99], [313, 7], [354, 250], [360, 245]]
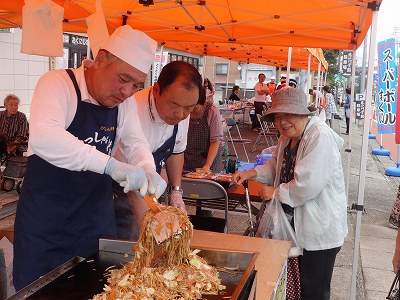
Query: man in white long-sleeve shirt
[[261, 91], [77, 118], [164, 114]]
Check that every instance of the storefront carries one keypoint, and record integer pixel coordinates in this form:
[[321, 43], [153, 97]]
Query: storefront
[[75, 51]]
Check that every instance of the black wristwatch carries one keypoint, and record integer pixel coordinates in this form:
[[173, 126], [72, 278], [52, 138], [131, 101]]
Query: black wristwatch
[[175, 188]]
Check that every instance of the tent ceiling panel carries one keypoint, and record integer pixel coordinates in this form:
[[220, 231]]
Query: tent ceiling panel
[[334, 24], [266, 55]]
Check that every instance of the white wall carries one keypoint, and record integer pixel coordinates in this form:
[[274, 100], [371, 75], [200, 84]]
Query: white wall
[[19, 72]]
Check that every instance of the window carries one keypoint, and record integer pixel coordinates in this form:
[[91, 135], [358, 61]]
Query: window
[[221, 69], [191, 60]]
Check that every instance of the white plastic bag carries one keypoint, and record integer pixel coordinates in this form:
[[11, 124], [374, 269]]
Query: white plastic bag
[[322, 115], [273, 224]]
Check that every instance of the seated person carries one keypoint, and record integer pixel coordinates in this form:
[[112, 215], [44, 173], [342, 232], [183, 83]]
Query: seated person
[[14, 127], [292, 83], [282, 83], [235, 91], [203, 149]]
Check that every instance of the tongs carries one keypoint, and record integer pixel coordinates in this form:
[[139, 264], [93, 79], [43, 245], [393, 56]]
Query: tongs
[[248, 204]]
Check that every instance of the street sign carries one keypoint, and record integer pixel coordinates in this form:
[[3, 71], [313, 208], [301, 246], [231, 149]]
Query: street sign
[[360, 106]]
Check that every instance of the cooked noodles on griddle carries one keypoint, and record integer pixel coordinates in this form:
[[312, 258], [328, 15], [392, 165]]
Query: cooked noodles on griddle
[[167, 270]]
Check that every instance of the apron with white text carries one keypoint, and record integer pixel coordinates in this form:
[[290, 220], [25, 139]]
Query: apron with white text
[[63, 213]]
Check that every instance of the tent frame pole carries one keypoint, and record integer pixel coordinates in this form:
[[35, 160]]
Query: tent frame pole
[[308, 74], [289, 62], [348, 150], [364, 148]]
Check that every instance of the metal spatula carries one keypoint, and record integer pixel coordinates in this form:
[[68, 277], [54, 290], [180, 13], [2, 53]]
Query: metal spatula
[[166, 225], [151, 200]]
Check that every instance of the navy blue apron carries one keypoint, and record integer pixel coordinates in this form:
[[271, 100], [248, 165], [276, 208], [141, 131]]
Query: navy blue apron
[[165, 151], [126, 225], [63, 213]]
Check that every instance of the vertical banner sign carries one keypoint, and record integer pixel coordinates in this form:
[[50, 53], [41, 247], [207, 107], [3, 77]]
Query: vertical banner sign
[[387, 90], [157, 65], [346, 58], [360, 106], [397, 135]]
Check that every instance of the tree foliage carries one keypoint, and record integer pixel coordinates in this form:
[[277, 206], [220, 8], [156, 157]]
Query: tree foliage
[[332, 57]]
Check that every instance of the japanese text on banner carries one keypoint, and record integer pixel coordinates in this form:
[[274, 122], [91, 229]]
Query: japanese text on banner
[[387, 90], [346, 58]]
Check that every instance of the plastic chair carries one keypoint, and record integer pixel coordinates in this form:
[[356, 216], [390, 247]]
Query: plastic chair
[[206, 194], [266, 132], [233, 124]]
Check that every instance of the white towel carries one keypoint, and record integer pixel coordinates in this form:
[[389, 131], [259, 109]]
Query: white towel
[[97, 29], [42, 32]]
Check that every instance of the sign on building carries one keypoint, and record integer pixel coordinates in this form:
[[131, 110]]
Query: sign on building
[[158, 64], [387, 90]]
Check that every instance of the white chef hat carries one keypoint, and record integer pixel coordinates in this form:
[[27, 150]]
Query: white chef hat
[[132, 46]]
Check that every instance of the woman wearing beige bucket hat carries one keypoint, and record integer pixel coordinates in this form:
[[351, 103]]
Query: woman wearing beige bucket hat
[[305, 175]]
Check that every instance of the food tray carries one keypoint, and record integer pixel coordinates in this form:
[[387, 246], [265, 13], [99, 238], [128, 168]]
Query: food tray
[[83, 279]]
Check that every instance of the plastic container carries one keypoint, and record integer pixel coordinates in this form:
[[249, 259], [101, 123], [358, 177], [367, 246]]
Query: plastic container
[[261, 159]]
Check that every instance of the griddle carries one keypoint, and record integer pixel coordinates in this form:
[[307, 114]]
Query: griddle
[[83, 278]]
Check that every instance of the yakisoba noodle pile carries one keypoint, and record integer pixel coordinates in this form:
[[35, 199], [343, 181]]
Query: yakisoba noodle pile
[[165, 271]]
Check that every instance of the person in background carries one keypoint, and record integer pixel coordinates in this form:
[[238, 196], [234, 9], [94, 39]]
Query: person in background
[[347, 109], [204, 149], [292, 83], [77, 118], [209, 90], [396, 256], [235, 91], [164, 115], [282, 83], [313, 93], [313, 199], [204, 139], [14, 126], [330, 106], [271, 85], [394, 215], [261, 91]]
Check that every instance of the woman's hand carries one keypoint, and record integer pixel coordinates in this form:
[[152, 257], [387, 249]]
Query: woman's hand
[[241, 176], [266, 193]]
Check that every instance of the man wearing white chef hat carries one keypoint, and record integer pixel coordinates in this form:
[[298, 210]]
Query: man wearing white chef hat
[[77, 118]]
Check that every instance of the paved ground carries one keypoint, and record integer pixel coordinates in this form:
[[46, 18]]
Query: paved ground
[[377, 238]]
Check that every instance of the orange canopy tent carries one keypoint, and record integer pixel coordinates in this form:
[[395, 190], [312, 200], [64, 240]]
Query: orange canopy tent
[[334, 24], [266, 55]]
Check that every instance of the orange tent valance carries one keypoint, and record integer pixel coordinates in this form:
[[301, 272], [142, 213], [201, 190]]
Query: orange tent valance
[[329, 24]]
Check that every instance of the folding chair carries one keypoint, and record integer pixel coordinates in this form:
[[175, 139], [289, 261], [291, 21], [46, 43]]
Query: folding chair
[[206, 194], [266, 132], [231, 123]]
